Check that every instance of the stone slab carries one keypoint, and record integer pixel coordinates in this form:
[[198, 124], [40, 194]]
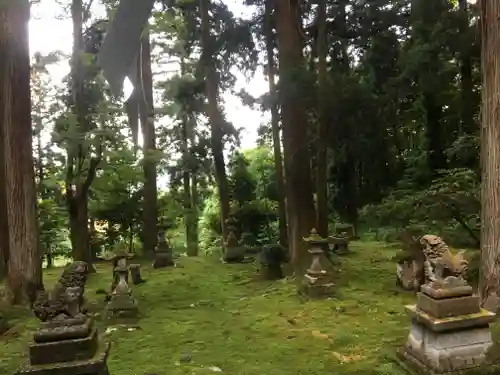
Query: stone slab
[[318, 289], [163, 260], [448, 307], [482, 318], [93, 366], [64, 351], [460, 291], [444, 352]]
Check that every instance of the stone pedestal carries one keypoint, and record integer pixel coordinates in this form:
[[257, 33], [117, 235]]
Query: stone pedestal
[[449, 332], [316, 282], [67, 347]]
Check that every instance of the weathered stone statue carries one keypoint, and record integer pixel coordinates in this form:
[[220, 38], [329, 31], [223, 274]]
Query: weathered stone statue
[[439, 262], [316, 282], [271, 259], [419, 261], [67, 342], [234, 251], [122, 304], [49, 305], [121, 254], [449, 331], [163, 253]]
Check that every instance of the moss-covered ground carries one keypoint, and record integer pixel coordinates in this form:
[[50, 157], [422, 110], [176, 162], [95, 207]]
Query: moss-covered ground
[[204, 317]]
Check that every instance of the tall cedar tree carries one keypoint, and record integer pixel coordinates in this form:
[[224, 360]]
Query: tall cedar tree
[[301, 213], [490, 154], [19, 201]]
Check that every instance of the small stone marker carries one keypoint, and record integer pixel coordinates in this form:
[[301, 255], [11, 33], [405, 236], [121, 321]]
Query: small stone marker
[[67, 343], [316, 282], [234, 251], [449, 331], [135, 274], [163, 253]]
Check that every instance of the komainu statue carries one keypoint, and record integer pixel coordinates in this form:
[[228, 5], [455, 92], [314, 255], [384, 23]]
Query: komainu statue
[[60, 300], [430, 261]]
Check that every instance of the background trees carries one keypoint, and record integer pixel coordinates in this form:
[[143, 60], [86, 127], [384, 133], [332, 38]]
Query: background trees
[[374, 122]]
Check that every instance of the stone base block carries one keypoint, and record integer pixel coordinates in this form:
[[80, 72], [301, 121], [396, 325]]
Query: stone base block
[[458, 291], [122, 305], [234, 254], [94, 366], [63, 351], [448, 307], [482, 318], [317, 290], [163, 260], [444, 352]]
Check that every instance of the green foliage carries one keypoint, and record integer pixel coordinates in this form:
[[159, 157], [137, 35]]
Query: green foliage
[[241, 183], [453, 196]]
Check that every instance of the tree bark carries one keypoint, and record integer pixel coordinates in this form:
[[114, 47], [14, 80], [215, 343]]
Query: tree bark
[[490, 155], [301, 211], [275, 127], [25, 259], [214, 115], [321, 149], [146, 114], [4, 226]]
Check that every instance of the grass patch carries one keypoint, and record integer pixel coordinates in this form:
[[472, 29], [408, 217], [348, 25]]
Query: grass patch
[[204, 316]]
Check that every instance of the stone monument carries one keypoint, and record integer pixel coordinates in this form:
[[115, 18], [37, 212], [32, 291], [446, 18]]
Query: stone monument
[[271, 260], [135, 274], [340, 245], [122, 304], [67, 343], [449, 332], [316, 282], [163, 253], [234, 251]]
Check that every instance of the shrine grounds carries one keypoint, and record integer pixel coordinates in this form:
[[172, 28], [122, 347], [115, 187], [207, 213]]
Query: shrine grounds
[[204, 317]]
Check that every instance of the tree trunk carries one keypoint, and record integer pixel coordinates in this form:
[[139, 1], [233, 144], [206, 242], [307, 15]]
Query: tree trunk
[[4, 226], [25, 259], [466, 85], [194, 207], [48, 256], [214, 115], [79, 228], [321, 149], [490, 155], [186, 182], [150, 212], [278, 162], [302, 216]]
